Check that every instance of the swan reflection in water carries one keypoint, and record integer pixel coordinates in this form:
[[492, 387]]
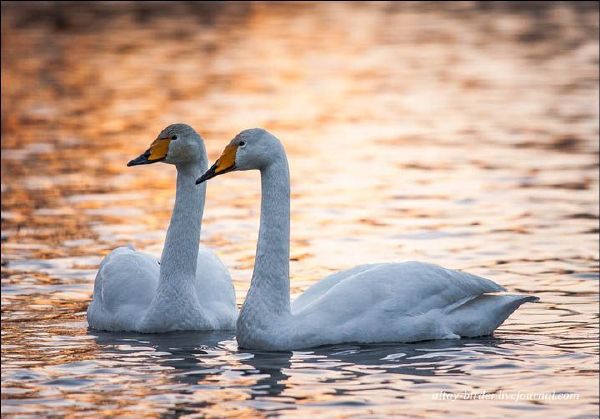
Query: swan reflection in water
[[211, 361]]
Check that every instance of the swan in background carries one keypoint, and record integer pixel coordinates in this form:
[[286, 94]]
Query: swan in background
[[190, 288], [385, 302]]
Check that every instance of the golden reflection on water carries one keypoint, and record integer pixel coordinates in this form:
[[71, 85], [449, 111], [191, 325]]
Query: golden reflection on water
[[464, 135]]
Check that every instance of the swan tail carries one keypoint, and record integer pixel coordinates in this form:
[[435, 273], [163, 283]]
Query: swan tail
[[481, 315]]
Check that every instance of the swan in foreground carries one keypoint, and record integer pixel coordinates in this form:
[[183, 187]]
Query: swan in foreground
[[385, 302], [189, 289]]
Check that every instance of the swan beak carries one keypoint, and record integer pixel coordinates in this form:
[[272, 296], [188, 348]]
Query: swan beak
[[225, 164], [157, 152], [212, 172]]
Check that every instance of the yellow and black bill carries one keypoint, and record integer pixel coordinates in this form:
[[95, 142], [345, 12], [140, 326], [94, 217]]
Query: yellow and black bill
[[225, 164], [157, 152]]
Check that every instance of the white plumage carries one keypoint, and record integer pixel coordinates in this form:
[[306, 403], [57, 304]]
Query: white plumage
[[191, 289], [388, 302]]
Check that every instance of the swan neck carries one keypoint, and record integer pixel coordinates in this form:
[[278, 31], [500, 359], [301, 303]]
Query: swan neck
[[180, 252], [270, 280]]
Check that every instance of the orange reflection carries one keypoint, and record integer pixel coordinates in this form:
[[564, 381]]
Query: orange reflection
[[461, 134]]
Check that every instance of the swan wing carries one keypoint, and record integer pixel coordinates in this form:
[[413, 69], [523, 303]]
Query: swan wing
[[123, 289], [214, 287], [407, 301], [402, 288], [315, 291]]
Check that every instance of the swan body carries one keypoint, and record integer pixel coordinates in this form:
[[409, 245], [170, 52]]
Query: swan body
[[190, 289], [387, 302], [402, 302]]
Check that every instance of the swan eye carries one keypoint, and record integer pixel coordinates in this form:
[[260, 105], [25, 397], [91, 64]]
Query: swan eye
[[242, 143], [173, 137]]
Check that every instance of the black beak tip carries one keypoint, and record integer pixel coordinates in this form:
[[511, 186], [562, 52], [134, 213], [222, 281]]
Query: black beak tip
[[205, 177], [210, 173], [143, 159]]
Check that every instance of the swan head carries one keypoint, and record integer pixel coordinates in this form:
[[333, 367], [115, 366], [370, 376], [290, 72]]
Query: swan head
[[251, 149], [176, 144]]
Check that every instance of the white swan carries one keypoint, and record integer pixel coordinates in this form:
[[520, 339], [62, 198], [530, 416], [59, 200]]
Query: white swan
[[190, 289], [389, 302]]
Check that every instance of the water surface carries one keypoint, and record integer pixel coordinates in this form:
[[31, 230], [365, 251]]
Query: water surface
[[463, 135]]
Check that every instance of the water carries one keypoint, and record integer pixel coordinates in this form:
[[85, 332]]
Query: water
[[464, 135]]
